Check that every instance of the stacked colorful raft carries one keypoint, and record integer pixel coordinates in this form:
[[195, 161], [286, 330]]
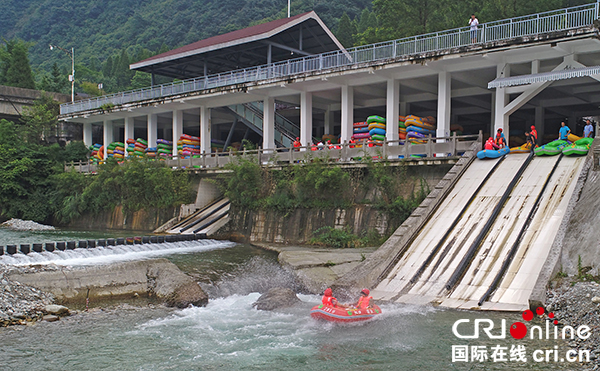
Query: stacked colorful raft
[[419, 128], [402, 127], [188, 145], [360, 132], [151, 152], [116, 150], [164, 147], [130, 146], [139, 147], [551, 149], [97, 152], [376, 126], [578, 148]]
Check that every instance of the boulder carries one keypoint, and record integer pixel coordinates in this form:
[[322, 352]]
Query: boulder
[[50, 318], [275, 298], [58, 310]]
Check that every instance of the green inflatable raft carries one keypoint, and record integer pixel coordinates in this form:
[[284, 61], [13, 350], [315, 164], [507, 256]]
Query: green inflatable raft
[[551, 149], [578, 148]]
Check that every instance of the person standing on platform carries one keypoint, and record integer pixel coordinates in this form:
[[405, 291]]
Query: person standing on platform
[[588, 129], [473, 22], [564, 131], [532, 137]]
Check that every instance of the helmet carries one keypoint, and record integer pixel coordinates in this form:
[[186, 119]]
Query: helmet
[[500, 129], [328, 292], [532, 127], [365, 292]]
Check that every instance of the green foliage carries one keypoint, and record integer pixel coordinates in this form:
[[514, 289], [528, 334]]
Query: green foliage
[[56, 81], [332, 237], [345, 31], [344, 238], [40, 120], [244, 185], [14, 64]]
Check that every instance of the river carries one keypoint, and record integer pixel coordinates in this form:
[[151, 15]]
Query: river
[[229, 334]]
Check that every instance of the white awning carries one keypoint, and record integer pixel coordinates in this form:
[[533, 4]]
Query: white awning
[[543, 77]]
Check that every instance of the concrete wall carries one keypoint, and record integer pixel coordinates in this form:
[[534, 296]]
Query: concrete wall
[[144, 220]]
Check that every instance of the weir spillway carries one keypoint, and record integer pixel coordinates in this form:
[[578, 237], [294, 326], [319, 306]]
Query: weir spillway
[[464, 248]]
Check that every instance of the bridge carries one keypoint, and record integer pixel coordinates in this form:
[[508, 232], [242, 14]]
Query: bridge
[[532, 70]]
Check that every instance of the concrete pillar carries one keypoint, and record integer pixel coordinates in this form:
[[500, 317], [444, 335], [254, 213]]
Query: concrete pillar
[[493, 116], [535, 66], [328, 121], [392, 109], [87, 134], [177, 127], [443, 104], [501, 119], [107, 138], [128, 133], [205, 129], [306, 118], [347, 113], [539, 123], [152, 129], [269, 123], [129, 125]]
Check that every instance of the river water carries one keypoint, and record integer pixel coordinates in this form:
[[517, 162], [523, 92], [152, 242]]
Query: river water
[[229, 334]]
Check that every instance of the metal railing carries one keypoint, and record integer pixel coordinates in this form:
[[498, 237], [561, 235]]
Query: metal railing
[[338, 154], [552, 21]]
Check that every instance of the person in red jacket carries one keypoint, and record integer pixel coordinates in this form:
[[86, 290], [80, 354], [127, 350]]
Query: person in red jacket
[[364, 300], [490, 144], [328, 298], [532, 137]]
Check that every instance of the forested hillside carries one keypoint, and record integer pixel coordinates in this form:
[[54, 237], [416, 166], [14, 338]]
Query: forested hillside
[[108, 35]]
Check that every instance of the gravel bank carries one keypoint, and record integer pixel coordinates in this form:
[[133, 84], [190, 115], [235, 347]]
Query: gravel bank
[[26, 225], [575, 306], [19, 303]]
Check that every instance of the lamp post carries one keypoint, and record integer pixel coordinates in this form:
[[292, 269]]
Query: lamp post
[[72, 75]]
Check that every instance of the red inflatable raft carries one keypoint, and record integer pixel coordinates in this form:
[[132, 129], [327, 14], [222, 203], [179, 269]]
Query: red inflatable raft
[[336, 314]]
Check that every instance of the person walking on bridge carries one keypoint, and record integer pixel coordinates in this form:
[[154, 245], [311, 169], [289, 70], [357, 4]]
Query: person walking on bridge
[[473, 22]]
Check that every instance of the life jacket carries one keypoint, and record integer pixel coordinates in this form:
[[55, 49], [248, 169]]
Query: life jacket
[[329, 300], [534, 133], [297, 144], [363, 302], [489, 144]]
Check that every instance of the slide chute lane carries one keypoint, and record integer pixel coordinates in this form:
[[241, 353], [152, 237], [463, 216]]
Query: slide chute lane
[[442, 241], [420, 248], [462, 267], [519, 280], [513, 250], [488, 260]]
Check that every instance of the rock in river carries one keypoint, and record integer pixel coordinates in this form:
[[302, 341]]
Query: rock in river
[[275, 298]]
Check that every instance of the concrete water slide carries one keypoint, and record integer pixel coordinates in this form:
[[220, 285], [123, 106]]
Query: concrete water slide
[[490, 235], [207, 220]]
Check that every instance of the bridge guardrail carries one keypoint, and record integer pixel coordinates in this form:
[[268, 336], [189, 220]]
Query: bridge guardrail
[[338, 153], [556, 20]]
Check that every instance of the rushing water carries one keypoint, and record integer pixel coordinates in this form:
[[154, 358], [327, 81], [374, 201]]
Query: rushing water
[[229, 334]]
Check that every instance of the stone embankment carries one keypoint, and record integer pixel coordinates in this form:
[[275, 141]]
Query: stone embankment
[[27, 294], [317, 268], [575, 306]]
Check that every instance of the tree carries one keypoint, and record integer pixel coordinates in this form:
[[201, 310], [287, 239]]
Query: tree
[[40, 121], [55, 82], [345, 31], [141, 80], [14, 65]]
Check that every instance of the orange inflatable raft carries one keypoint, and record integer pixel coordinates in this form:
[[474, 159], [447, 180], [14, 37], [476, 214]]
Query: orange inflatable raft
[[337, 314]]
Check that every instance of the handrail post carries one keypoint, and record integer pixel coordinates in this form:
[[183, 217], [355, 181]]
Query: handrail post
[[454, 144], [385, 148]]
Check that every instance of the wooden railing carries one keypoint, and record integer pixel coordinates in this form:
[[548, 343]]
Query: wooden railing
[[339, 153]]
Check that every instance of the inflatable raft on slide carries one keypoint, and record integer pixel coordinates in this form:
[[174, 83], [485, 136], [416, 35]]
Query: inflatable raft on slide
[[525, 148], [579, 148], [553, 148], [492, 153], [337, 314]]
